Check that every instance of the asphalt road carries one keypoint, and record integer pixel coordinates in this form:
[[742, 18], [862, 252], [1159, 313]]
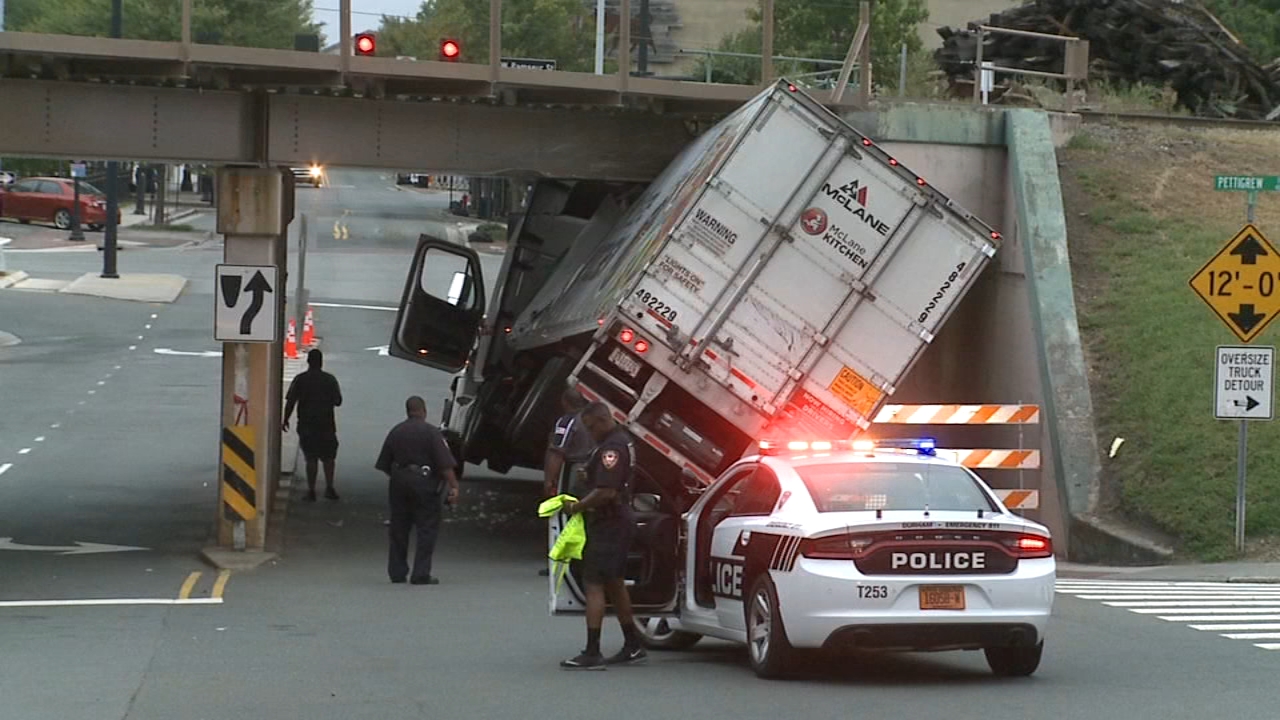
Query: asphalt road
[[107, 441]]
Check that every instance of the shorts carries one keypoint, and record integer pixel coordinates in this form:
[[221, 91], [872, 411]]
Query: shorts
[[605, 556], [319, 446]]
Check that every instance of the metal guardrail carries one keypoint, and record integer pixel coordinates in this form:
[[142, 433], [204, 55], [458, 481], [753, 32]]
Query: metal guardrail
[[1075, 62]]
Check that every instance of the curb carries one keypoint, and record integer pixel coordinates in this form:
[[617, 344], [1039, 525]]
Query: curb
[[11, 278], [239, 560]]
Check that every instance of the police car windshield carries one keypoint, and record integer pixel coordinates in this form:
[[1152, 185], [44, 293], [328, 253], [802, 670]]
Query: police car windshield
[[855, 487]]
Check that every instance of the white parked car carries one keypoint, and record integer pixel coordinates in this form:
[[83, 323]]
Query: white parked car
[[883, 547]]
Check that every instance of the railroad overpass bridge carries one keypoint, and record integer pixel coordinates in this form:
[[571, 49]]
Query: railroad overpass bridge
[[98, 98]]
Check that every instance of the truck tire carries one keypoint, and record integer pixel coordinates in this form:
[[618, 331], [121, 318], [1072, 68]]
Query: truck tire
[[1014, 661]]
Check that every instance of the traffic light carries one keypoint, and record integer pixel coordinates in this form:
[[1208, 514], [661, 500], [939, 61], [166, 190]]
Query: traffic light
[[365, 44], [450, 50]]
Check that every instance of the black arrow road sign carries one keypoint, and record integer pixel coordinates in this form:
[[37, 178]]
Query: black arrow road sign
[[260, 287], [1249, 403], [1249, 250], [1246, 319]]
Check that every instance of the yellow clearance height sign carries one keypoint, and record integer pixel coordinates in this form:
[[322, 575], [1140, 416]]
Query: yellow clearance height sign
[[1239, 283]]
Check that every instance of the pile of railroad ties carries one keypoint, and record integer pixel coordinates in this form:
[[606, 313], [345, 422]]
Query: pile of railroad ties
[[1160, 43]]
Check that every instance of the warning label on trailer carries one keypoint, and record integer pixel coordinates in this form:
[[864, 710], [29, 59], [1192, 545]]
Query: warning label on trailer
[[711, 231], [855, 391], [808, 414]]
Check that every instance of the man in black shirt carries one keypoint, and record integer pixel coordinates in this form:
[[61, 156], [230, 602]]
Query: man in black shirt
[[316, 393], [610, 526], [419, 464], [570, 445]]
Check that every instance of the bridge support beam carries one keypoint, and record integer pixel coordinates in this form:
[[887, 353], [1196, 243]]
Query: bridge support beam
[[255, 207]]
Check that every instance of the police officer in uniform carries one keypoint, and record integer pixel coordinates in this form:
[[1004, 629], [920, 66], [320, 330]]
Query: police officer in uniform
[[570, 446], [421, 470], [610, 527]]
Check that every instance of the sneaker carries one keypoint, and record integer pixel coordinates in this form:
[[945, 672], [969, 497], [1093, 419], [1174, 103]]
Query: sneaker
[[584, 662], [331, 494], [628, 656]]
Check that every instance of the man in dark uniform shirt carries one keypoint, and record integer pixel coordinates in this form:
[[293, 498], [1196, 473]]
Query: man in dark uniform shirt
[[570, 445], [419, 464], [315, 393], [610, 526]]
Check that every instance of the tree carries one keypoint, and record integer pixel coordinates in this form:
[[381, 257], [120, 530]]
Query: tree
[[562, 30], [245, 23], [1255, 22], [820, 29]]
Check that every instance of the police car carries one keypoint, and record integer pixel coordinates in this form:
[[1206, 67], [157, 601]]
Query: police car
[[839, 545]]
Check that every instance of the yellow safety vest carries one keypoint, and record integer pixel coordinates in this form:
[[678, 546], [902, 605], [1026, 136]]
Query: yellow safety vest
[[573, 536]]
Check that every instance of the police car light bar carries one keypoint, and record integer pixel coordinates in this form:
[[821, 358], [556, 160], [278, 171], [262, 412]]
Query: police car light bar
[[924, 446]]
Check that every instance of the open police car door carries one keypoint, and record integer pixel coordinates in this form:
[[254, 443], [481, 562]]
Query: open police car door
[[653, 562], [442, 309]]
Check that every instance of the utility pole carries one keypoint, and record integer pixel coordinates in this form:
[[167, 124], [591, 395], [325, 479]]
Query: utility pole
[[113, 171], [645, 35], [599, 36]]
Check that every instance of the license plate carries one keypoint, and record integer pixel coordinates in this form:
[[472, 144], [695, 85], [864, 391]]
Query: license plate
[[941, 597], [623, 360]]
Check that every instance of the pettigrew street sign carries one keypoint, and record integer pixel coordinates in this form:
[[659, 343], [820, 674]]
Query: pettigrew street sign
[[1244, 383], [1247, 183], [246, 305], [1239, 283]]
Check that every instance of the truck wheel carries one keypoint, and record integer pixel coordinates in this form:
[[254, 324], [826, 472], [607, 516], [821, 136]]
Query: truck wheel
[[767, 645], [656, 634], [1015, 661]]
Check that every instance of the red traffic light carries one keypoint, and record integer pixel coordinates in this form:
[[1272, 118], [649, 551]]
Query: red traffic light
[[450, 49], [365, 44]]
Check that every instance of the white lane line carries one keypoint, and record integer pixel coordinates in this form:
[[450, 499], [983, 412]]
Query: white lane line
[[108, 601], [24, 451], [55, 426], [133, 347], [5, 468], [140, 337], [93, 392], [102, 382], [1268, 646], [1238, 626], [79, 403], [1216, 618], [1252, 636], [147, 326], [1275, 597], [1192, 604], [1146, 587], [154, 316], [117, 367], [40, 439], [355, 307]]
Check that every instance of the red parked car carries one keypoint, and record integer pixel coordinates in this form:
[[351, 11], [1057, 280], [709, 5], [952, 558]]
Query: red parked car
[[49, 200]]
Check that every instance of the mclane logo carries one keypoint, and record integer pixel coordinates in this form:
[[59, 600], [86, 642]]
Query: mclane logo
[[715, 226], [970, 560], [855, 192], [814, 221]]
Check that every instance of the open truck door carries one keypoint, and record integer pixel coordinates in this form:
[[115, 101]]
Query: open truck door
[[442, 310]]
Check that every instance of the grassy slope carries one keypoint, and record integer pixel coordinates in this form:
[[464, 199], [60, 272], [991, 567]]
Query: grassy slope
[[1142, 218]]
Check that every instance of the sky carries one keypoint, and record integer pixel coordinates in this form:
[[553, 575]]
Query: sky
[[365, 14]]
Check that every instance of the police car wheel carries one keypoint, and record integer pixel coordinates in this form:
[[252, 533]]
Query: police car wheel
[[1019, 661], [656, 634], [767, 645]]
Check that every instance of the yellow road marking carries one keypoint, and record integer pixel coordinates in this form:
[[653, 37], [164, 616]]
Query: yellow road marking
[[185, 592], [221, 583]]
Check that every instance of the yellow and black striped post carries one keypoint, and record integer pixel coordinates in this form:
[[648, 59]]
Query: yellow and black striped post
[[239, 487]]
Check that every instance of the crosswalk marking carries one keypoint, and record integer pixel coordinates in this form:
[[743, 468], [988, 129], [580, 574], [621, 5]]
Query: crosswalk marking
[[1236, 611]]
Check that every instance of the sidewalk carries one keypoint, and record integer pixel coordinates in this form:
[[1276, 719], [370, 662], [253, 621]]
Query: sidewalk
[[1238, 572]]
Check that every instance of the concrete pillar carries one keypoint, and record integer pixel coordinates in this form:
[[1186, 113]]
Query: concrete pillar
[[255, 207]]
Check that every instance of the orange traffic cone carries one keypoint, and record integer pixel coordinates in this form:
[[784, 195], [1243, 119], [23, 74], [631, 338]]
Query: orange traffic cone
[[308, 330], [291, 342]]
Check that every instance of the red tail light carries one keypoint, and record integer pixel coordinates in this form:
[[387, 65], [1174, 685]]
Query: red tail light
[[893, 162], [642, 346], [627, 335], [1030, 546], [838, 547]]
